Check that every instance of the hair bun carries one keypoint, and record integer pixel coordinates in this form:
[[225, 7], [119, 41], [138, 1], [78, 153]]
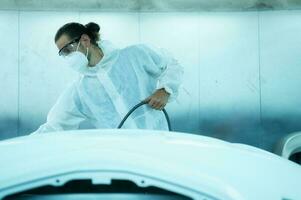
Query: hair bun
[[93, 28]]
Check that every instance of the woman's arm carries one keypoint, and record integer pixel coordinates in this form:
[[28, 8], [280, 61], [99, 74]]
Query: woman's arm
[[65, 114], [167, 70]]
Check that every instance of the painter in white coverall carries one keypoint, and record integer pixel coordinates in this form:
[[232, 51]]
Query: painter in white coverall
[[105, 92]]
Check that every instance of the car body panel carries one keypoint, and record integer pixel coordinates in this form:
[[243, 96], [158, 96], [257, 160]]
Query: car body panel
[[192, 165]]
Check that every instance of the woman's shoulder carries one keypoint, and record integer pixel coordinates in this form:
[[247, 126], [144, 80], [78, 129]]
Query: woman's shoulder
[[71, 87], [139, 49]]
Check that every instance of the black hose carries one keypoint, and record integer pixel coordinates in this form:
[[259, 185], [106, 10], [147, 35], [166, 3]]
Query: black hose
[[137, 106]]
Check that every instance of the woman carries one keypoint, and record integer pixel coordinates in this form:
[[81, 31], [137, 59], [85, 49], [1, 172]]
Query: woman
[[112, 81]]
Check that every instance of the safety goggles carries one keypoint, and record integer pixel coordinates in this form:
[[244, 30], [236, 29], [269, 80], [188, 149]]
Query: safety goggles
[[69, 47]]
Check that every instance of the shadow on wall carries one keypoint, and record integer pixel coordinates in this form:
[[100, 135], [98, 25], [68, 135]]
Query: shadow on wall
[[277, 127], [238, 128], [242, 129], [8, 127]]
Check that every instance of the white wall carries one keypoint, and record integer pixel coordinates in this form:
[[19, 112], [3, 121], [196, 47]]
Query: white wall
[[280, 53], [241, 69], [9, 76]]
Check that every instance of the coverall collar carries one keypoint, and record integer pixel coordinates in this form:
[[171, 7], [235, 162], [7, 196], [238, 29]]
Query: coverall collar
[[110, 55]]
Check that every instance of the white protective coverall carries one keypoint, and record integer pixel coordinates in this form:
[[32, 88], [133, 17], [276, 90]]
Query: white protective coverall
[[106, 92]]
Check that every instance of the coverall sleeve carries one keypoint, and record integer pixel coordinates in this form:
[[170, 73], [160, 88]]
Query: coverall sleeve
[[161, 64], [65, 114]]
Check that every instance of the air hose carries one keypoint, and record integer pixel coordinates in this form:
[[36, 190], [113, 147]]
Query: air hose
[[137, 106]]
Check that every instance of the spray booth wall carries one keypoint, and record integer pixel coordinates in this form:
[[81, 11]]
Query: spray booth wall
[[242, 69]]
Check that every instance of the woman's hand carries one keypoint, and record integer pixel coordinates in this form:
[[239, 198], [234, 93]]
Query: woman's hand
[[158, 99]]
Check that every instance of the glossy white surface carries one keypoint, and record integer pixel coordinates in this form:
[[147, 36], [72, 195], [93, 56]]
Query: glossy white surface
[[188, 164]]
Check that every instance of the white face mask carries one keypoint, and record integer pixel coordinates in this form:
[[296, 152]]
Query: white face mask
[[78, 61]]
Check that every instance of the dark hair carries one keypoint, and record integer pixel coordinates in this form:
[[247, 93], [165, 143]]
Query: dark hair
[[75, 30]]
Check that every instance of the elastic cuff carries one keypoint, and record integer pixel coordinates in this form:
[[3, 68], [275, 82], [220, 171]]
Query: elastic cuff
[[166, 88]]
